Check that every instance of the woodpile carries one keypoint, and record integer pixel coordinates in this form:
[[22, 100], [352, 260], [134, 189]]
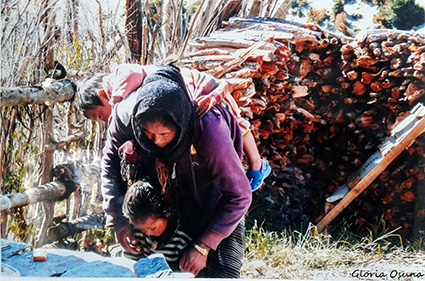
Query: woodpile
[[320, 104]]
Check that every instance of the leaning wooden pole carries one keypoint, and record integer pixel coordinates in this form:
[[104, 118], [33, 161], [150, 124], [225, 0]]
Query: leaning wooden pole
[[415, 126], [48, 191]]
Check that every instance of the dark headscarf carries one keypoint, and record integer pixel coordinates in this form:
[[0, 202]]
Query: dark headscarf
[[164, 92]]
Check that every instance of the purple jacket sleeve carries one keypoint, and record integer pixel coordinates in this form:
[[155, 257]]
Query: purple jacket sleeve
[[113, 187], [220, 147]]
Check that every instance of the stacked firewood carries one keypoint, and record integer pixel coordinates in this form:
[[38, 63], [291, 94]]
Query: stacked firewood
[[320, 104]]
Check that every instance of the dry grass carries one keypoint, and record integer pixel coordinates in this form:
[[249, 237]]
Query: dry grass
[[309, 255]]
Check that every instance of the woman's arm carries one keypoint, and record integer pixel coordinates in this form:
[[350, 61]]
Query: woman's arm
[[221, 148], [113, 187]]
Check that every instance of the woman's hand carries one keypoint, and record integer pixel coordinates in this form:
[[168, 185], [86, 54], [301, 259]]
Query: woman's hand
[[125, 237], [193, 261]]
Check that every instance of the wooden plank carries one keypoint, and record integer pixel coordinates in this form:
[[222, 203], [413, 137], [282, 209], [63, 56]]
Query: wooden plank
[[222, 69], [380, 160]]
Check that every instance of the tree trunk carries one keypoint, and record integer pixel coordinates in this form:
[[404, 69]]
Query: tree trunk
[[168, 8], [133, 25], [8, 127], [205, 14]]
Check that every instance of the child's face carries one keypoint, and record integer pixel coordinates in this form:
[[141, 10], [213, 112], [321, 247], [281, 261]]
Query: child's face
[[102, 112], [99, 114], [152, 226]]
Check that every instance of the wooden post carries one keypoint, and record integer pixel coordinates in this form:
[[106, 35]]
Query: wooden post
[[363, 182], [8, 126], [46, 208]]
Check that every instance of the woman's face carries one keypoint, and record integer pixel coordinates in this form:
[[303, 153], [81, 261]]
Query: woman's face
[[152, 226], [159, 134]]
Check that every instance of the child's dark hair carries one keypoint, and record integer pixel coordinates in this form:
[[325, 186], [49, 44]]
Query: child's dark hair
[[142, 201], [87, 92]]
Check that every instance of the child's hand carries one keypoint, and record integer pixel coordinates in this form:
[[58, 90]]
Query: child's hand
[[125, 237], [205, 103]]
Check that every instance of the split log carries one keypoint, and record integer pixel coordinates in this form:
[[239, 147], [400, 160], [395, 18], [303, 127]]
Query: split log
[[401, 138], [230, 43], [50, 92], [235, 62], [298, 30]]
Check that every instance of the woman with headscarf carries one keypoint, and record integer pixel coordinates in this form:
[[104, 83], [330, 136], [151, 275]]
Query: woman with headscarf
[[194, 162]]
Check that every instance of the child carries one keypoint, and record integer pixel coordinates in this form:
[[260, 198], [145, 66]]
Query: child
[[98, 93], [156, 222]]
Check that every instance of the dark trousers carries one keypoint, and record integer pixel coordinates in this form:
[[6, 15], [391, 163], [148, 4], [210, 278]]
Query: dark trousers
[[226, 261]]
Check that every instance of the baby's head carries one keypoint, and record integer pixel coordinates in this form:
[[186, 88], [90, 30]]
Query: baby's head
[[93, 100], [145, 208]]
